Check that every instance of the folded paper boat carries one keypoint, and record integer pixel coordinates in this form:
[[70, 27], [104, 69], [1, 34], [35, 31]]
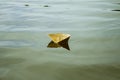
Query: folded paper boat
[[59, 40]]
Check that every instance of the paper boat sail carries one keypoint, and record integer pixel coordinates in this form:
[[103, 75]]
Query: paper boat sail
[[59, 40]]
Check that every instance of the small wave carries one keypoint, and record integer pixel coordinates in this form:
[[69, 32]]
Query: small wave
[[15, 43]]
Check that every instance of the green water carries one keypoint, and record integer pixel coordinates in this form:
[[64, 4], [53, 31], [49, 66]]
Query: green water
[[94, 41]]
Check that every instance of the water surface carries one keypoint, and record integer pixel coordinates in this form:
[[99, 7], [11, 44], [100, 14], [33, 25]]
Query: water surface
[[94, 42]]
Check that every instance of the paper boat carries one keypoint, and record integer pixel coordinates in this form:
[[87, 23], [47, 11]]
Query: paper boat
[[59, 40]]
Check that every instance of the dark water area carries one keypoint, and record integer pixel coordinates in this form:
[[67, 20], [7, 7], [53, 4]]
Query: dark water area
[[116, 10], [94, 42]]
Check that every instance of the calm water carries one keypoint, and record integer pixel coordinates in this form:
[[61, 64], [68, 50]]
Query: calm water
[[94, 42]]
